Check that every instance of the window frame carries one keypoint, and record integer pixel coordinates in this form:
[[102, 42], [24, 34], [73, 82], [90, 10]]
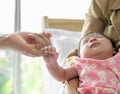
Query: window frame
[[17, 56]]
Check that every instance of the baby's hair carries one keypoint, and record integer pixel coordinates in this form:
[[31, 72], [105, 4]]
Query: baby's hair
[[91, 33]]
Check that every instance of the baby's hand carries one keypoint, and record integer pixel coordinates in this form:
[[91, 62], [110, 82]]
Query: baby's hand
[[50, 55], [47, 50]]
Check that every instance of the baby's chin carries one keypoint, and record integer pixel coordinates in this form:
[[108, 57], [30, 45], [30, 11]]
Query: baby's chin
[[93, 56]]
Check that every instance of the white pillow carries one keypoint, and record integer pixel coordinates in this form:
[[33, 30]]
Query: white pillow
[[64, 41], [62, 32]]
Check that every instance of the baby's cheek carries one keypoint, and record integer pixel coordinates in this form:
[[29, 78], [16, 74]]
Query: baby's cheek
[[84, 52]]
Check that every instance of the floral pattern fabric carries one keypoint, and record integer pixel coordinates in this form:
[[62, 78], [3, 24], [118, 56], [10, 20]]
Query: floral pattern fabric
[[98, 76]]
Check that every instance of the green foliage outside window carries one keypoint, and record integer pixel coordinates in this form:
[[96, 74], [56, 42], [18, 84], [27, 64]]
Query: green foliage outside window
[[31, 75], [32, 82], [6, 84]]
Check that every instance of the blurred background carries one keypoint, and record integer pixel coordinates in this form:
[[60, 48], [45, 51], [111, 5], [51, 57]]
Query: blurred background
[[20, 74]]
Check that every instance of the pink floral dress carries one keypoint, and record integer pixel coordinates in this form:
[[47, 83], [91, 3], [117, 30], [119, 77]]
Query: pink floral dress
[[98, 76]]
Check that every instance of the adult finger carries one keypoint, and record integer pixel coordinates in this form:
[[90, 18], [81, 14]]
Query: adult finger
[[36, 53], [48, 34], [40, 42], [45, 38], [31, 38]]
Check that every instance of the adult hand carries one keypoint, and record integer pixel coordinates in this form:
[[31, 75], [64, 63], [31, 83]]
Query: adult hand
[[42, 39], [25, 43]]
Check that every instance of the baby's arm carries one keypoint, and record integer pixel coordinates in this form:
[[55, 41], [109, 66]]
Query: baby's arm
[[58, 72]]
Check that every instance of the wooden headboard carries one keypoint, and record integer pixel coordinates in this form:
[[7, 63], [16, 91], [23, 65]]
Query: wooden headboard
[[67, 24]]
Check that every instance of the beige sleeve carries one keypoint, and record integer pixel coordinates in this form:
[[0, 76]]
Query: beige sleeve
[[95, 20]]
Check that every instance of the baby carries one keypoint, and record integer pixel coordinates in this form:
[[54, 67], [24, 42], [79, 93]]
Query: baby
[[97, 66]]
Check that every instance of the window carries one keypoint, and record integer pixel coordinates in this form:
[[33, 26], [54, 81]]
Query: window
[[20, 74], [32, 12], [6, 64]]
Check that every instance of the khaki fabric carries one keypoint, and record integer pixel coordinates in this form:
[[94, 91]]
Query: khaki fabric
[[70, 54], [104, 16]]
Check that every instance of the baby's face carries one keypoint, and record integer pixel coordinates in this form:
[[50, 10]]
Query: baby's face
[[96, 46]]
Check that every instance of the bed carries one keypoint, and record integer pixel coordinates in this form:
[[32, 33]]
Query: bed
[[65, 37]]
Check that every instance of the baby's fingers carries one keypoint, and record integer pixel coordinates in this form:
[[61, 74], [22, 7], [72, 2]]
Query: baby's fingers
[[48, 50], [51, 49], [45, 49]]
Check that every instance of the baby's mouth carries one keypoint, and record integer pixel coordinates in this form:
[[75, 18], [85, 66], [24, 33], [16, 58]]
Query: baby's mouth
[[94, 44]]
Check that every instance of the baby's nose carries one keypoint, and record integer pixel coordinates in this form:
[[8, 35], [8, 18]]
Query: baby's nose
[[92, 39]]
